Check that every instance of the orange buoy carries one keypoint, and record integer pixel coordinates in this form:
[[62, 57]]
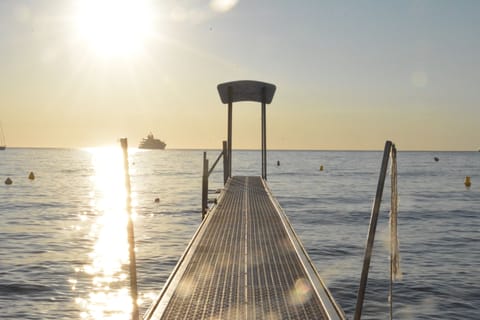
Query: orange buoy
[[467, 181]]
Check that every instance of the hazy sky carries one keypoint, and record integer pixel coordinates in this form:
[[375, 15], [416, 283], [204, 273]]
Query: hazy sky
[[349, 74]]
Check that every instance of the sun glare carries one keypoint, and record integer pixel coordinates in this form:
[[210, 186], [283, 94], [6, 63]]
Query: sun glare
[[109, 297], [112, 28]]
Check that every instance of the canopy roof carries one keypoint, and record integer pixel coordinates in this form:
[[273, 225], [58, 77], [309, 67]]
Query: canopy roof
[[246, 90]]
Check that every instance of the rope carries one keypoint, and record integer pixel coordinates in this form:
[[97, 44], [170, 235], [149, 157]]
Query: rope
[[395, 273]]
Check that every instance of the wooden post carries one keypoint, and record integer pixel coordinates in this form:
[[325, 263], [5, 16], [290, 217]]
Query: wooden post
[[371, 231], [225, 161], [204, 185], [131, 237]]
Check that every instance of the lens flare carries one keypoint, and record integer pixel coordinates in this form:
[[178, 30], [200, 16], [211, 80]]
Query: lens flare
[[223, 5]]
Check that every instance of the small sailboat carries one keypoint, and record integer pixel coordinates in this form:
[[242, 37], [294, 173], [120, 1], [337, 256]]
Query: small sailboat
[[3, 145]]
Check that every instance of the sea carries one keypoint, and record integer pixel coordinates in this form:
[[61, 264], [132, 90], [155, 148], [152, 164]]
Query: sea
[[64, 248]]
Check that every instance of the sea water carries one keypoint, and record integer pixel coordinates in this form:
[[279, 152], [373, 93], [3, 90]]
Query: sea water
[[64, 251]]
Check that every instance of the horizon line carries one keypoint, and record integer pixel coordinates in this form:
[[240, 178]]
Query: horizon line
[[251, 149]]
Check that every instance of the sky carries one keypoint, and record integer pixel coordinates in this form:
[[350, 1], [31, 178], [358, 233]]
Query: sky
[[349, 74]]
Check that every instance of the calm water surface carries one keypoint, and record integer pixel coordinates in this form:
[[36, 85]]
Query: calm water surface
[[64, 250]]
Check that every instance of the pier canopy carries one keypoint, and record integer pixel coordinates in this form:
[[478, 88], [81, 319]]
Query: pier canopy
[[246, 90]]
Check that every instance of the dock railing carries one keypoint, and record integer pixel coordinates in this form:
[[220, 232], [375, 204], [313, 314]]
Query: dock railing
[[207, 171]]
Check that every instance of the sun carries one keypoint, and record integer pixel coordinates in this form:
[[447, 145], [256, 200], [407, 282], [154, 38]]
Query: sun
[[114, 28]]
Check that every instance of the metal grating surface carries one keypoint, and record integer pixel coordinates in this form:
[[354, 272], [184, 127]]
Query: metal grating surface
[[243, 264]]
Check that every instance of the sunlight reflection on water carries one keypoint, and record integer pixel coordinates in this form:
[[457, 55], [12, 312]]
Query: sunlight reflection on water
[[110, 296]]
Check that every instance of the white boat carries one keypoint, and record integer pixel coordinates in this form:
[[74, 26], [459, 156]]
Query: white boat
[[151, 143]]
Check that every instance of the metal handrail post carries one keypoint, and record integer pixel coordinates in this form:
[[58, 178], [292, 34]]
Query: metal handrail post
[[225, 161], [230, 131], [371, 231], [264, 136], [204, 185]]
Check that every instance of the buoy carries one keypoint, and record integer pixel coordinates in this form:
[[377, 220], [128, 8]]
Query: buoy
[[8, 181], [157, 200], [278, 162], [31, 176], [467, 181], [436, 159], [321, 168]]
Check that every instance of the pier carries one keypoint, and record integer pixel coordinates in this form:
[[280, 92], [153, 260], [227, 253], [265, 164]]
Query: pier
[[245, 261]]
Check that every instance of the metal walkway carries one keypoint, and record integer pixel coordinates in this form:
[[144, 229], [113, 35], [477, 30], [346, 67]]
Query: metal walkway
[[245, 262]]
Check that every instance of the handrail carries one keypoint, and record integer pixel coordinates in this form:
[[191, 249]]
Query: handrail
[[207, 172], [215, 163]]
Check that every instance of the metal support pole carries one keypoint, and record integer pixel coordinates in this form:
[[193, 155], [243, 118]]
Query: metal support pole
[[225, 161], [204, 185], [131, 236], [264, 137], [371, 231], [229, 131]]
